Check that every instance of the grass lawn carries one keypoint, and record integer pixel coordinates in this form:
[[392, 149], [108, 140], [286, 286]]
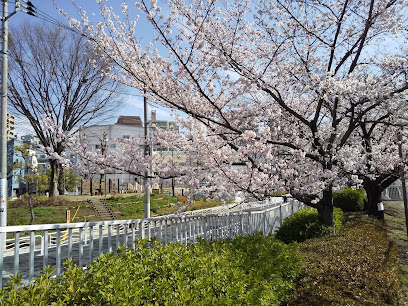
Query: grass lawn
[[49, 215], [395, 220], [126, 206], [358, 266], [132, 207]]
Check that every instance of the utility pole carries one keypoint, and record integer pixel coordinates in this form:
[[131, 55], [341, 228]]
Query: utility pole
[[29, 9], [3, 118], [146, 154]]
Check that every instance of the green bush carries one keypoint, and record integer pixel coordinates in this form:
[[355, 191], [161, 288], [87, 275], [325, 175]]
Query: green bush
[[349, 199], [254, 270], [305, 224], [360, 266], [203, 204]]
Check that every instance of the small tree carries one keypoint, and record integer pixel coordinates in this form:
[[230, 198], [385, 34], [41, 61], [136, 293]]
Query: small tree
[[72, 180]]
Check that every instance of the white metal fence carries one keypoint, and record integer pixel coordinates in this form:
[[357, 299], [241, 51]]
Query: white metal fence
[[393, 192], [28, 248]]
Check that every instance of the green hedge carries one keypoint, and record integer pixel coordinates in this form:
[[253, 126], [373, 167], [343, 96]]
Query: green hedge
[[254, 270], [360, 266], [305, 224], [349, 199]]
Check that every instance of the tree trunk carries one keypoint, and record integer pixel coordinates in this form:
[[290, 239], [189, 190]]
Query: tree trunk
[[373, 191], [172, 187], [325, 208], [31, 210], [61, 180], [54, 178], [101, 177], [374, 188], [30, 204]]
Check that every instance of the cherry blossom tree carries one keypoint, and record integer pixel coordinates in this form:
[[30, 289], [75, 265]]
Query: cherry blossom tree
[[278, 86], [376, 162]]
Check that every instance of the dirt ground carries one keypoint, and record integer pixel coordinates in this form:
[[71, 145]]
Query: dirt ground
[[395, 220], [84, 214]]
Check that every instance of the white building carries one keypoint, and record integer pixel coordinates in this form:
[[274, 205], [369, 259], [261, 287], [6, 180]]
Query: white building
[[95, 134], [126, 127]]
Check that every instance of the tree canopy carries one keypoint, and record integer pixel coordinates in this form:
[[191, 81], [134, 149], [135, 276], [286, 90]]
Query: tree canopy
[[285, 89]]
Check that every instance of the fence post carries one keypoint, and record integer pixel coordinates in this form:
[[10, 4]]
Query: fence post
[[241, 222], [85, 236], [249, 224], [142, 229], [264, 223], [204, 226], [42, 246], [280, 214]]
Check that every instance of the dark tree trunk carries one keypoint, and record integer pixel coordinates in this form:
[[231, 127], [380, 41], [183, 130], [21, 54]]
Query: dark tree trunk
[[325, 208], [101, 177], [374, 188], [172, 187], [373, 191], [30, 204], [54, 178], [61, 180]]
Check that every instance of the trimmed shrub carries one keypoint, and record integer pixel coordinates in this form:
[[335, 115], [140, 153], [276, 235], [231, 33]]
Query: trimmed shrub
[[305, 224], [349, 199], [254, 270], [360, 266], [38, 201]]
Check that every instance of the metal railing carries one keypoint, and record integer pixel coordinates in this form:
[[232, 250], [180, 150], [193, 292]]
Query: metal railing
[[35, 246], [393, 192]]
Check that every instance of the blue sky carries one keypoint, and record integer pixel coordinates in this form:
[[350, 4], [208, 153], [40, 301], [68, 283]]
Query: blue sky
[[47, 13]]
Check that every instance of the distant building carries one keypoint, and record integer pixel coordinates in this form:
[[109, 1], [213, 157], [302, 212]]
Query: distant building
[[161, 124], [96, 133], [15, 169], [130, 120], [42, 158], [126, 127]]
